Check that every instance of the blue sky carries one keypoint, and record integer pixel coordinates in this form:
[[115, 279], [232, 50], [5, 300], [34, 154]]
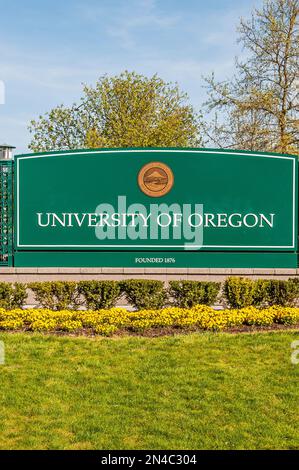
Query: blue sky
[[48, 48]]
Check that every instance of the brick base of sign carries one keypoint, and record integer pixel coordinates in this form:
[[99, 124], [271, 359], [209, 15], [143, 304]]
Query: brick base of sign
[[10, 274]]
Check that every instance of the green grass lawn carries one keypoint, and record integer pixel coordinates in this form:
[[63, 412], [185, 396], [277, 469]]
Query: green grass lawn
[[197, 391]]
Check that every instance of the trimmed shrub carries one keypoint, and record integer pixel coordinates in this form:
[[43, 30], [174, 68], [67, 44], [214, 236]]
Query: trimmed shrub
[[186, 294], [239, 292], [12, 295], [56, 295], [99, 294], [261, 293], [282, 292], [294, 283], [144, 294]]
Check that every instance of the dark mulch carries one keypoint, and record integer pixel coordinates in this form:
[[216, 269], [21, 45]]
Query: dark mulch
[[166, 331]]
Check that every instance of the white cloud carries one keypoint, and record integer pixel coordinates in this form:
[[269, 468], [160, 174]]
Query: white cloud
[[124, 20]]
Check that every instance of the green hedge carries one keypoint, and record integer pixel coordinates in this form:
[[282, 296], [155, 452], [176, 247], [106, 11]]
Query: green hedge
[[237, 292], [144, 294], [186, 294], [56, 295], [282, 293], [241, 292], [12, 295], [99, 294]]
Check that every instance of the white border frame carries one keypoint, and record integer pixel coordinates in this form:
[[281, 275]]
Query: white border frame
[[157, 246]]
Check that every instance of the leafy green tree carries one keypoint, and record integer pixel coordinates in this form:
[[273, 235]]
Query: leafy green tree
[[128, 110], [259, 107]]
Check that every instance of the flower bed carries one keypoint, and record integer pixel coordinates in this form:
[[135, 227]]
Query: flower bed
[[108, 322]]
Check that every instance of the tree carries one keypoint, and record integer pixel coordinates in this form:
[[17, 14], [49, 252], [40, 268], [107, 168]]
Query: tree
[[128, 110], [259, 106]]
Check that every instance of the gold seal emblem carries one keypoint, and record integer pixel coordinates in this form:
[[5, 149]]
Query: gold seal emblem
[[155, 179]]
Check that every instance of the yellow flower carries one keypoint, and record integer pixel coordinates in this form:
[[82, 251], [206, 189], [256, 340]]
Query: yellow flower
[[107, 322]]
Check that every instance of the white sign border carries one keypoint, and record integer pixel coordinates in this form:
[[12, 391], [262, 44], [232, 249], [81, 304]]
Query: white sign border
[[155, 246]]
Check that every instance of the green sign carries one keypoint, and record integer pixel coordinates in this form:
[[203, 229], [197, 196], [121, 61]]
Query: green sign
[[159, 201]]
